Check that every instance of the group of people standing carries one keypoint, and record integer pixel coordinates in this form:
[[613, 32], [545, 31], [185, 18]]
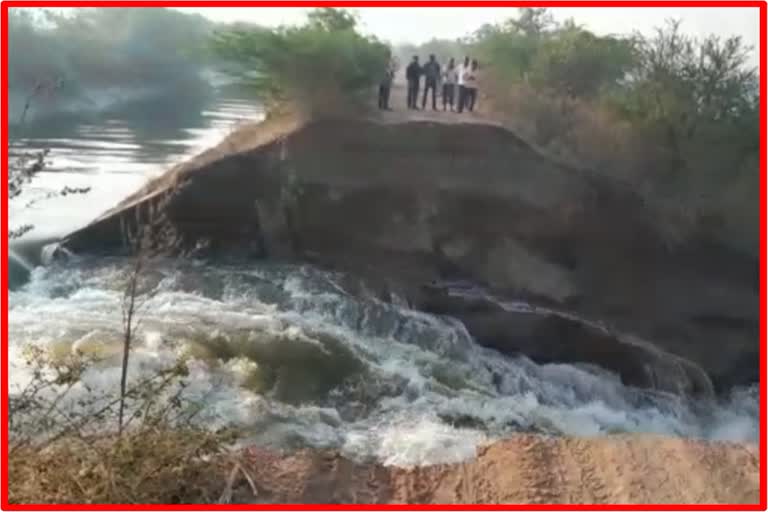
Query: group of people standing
[[459, 84]]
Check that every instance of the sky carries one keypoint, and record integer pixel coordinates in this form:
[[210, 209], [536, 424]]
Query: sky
[[419, 24]]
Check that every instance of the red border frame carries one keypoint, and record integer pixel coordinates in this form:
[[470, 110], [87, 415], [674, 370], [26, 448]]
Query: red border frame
[[763, 503]]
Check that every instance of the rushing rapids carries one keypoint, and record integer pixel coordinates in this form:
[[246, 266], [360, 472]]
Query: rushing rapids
[[296, 357]]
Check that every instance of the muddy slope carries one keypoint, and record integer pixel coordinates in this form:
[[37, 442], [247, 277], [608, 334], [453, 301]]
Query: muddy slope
[[404, 204]]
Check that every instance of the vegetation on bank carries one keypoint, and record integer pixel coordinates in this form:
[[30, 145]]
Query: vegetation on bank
[[66, 444], [673, 116], [324, 65]]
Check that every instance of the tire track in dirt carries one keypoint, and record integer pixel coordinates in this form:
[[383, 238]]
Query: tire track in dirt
[[592, 483]]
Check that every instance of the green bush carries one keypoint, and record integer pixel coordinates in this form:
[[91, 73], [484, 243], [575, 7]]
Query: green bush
[[675, 115], [321, 66]]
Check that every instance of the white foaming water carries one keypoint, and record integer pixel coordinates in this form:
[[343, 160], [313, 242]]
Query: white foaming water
[[290, 358]]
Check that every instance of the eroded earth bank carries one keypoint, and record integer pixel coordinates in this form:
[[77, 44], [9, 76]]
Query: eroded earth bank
[[466, 222]]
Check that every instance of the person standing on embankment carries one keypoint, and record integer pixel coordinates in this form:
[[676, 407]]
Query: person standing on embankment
[[385, 86], [412, 75], [450, 81], [462, 89], [431, 76], [470, 85]]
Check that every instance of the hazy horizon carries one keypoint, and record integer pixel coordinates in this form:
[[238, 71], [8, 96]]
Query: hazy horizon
[[417, 25]]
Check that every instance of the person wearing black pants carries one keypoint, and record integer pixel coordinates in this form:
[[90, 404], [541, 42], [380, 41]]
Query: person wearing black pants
[[431, 73], [412, 75]]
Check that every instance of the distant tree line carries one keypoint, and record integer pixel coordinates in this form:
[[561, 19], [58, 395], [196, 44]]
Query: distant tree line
[[66, 53]]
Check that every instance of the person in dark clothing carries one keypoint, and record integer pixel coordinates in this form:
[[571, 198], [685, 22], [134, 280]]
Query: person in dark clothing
[[431, 77], [412, 75], [385, 87]]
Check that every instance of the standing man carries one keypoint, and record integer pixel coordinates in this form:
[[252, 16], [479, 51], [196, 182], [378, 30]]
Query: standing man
[[431, 77], [450, 81], [463, 71], [385, 86], [412, 75], [470, 84]]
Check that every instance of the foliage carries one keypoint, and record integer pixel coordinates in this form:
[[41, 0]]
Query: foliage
[[565, 58], [321, 64], [577, 63], [682, 82], [154, 465], [443, 49], [674, 115], [63, 446]]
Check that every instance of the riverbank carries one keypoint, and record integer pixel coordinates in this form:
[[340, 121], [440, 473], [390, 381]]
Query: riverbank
[[523, 469]]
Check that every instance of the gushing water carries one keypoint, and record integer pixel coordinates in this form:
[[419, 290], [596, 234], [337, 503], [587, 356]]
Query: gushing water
[[291, 358]]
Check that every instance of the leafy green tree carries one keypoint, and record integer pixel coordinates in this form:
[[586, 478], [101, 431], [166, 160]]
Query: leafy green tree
[[532, 22], [577, 63], [331, 20], [683, 83], [320, 66], [682, 113]]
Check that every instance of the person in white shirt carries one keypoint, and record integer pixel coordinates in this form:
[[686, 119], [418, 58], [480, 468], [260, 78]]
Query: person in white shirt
[[471, 79], [450, 82], [462, 90]]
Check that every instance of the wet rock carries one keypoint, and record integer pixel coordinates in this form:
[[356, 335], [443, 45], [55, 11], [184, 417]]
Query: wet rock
[[554, 338]]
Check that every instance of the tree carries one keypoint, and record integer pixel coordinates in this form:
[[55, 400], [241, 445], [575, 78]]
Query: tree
[[320, 66], [683, 84], [332, 20], [532, 22], [577, 63]]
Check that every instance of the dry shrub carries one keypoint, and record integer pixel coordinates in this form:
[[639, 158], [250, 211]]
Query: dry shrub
[[70, 449], [158, 465], [584, 134], [571, 130]]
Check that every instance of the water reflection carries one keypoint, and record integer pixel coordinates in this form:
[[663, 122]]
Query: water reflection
[[116, 152]]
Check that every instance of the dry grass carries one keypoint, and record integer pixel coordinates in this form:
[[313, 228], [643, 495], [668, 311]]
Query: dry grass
[[687, 193], [70, 449], [159, 465], [572, 130]]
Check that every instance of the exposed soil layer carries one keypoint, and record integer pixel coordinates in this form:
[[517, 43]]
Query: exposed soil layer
[[403, 204], [522, 469]]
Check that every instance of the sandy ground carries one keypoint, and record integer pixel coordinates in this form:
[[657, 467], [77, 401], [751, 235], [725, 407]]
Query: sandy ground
[[522, 469]]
